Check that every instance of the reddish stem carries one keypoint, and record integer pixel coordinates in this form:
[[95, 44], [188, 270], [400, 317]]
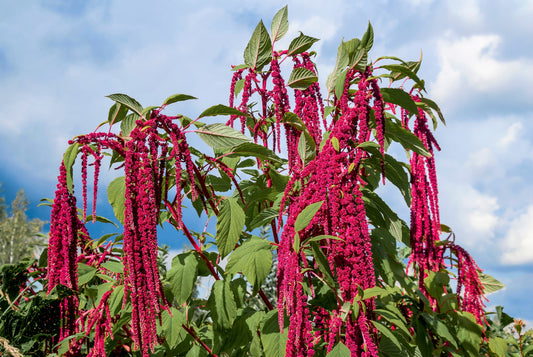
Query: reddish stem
[[202, 343]]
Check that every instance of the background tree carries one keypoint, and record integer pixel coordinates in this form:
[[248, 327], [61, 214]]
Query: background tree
[[19, 237]]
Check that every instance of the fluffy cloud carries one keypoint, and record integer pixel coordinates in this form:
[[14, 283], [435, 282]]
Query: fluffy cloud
[[518, 242], [471, 67]]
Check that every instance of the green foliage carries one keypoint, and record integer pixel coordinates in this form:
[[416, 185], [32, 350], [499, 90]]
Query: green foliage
[[241, 184]]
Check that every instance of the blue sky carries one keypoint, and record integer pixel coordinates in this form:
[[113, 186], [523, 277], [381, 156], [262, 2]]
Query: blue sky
[[58, 60]]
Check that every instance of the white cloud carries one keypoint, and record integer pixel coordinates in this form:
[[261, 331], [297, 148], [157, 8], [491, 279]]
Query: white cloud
[[467, 11], [518, 242], [470, 67]]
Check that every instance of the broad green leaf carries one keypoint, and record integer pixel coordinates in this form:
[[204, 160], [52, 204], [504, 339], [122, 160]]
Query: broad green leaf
[[407, 139], [115, 300], [301, 78], [280, 24], [100, 219], [220, 136], [435, 283], [254, 259], [342, 61], [385, 330], [85, 273], [230, 223], [177, 98], [399, 97], [197, 351], [128, 101], [367, 41], [340, 350], [301, 44], [395, 173], [222, 304], [117, 112], [68, 160], [274, 342], [435, 107], [116, 197], [468, 332], [490, 284], [263, 218], [323, 264], [319, 238], [182, 276], [128, 124], [498, 346], [114, 266], [254, 150], [440, 329], [172, 326], [405, 71], [220, 109], [307, 214], [258, 52], [294, 120]]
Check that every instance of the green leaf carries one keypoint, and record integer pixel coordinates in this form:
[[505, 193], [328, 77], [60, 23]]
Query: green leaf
[[340, 350], [68, 160], [182, 276], [85, 273], [395, 173], [498, 346], [177, 98], [274, 342], [115, 300], [435, 107], [307, 214], [468, 333], [367, 41], [172, 326], [405, 71], [113, 266], [220, 109], [435, 283], [342, 61], [301, 78], [230, 223], [407, 139], [128, 101], [323, 264], [263, 218], [254, 259], [222, 304], [490, 284], [220, 136], [128, 124], [280, 24], [319, 238], [399, 97], [258, 52], [117, 112], [116, 197], [385, 330], [254, 150], [301, 44]]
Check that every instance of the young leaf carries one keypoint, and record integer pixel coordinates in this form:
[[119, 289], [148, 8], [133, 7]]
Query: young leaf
[[173, 331], [301, 78], [115, 195], [301, 44], [406, 71], [182, 276], [128, 124], [307, 214], [177, 98], [368, 38], [222, 304], [343, 59], [128, 101], [435, 107], [220, 136], [117, 112], [406, 138], [323, 264], [399, 97], [254, 259], [230, 223], [68, 160], [280, 24], [490, 285], [255, 150], [259, 49], [340, 350], [220, 109]]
